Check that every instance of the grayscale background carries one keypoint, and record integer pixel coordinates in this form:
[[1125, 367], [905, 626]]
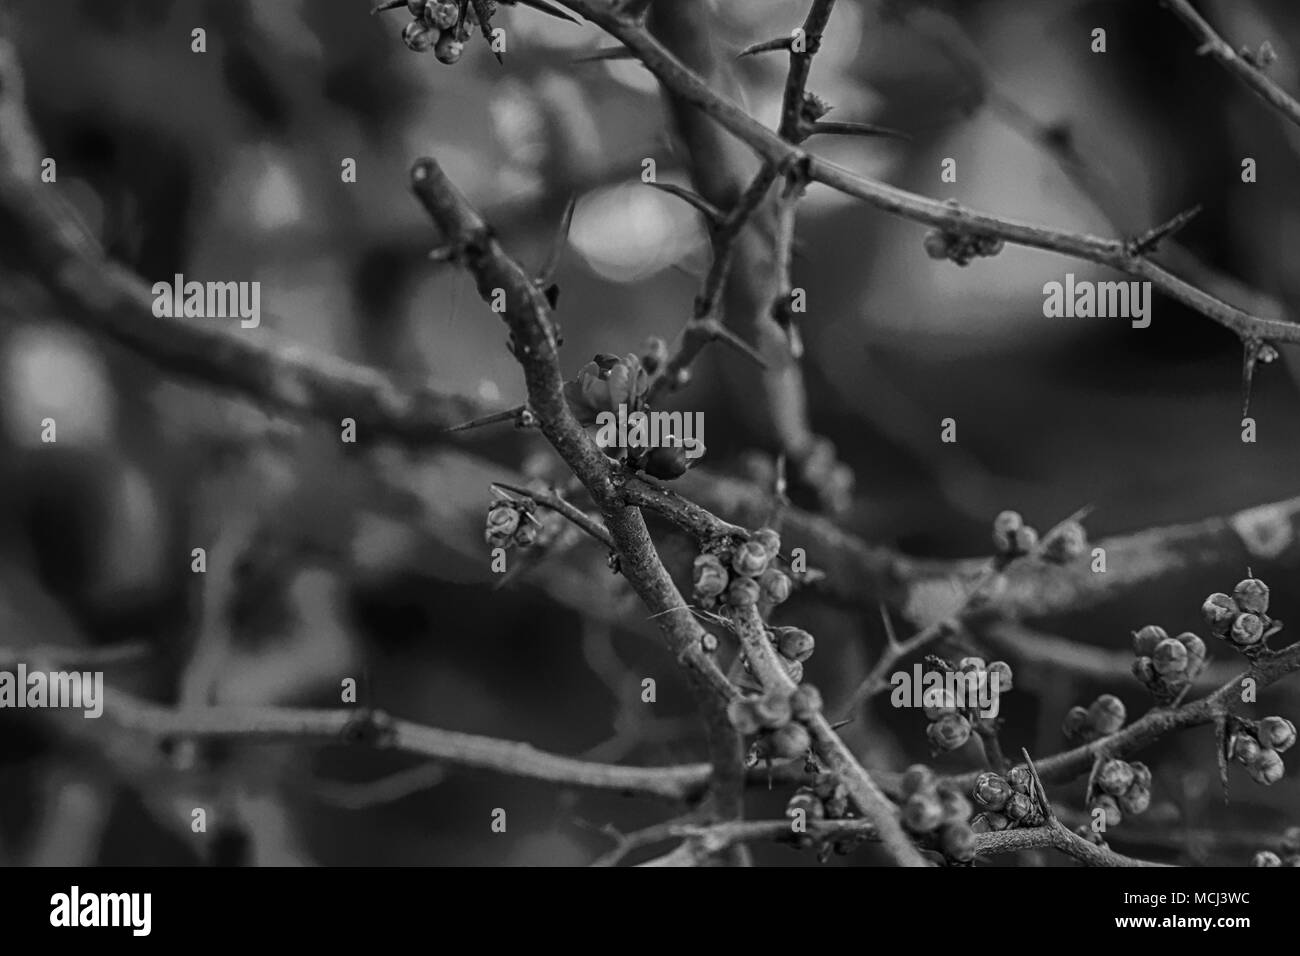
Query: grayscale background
[[330, 561]]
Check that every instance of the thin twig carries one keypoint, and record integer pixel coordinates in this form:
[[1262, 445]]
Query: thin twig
[[1217, 47]]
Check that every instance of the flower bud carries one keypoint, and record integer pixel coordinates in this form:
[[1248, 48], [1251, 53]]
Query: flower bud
[[957, 840], [922, 812], [971, 664], [526, 534], [502, 522], [1170, 657], [805, 701], [1277, 733], [1144, 670], [1135, 800], [946, 705], [1266, 858], [1244, 748], [773, 709], [1065, 543], [743, 592], [1219, 611], [1110, 806], [949, 732], [1146, 639], [448, 49], [936, 244], [709, 575], [750, 559], [1251, 594], [1267, 767], [793, 669], [1019, 808], [769, 539], [1107, 714], [441, 14], [1024, 540], [608, 381], [1247, 629], [775, 585], [956, 808], [1195, 649], [794, 643], [1141, 774], [992, 791], [743, 716], [654, 355], [1077, 724], [1008, 523], [668, 461], [805, 800], [1000, 671], [1021, 780], [416, 7], [789, 741], [1291, 841], [917, 777], [1115, 776]]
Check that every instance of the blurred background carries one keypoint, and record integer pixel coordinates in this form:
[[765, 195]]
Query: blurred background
[[326, 564]]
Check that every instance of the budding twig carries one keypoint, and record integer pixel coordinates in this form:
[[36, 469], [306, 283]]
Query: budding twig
[[1249, 73]]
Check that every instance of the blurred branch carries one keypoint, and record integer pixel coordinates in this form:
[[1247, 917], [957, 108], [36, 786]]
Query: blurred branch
[[1249, 73], [741, 283], [688, 87], [379, 730], [1054, 139]]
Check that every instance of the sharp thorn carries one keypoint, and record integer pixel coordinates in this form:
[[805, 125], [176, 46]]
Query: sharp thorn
[[766, 46]]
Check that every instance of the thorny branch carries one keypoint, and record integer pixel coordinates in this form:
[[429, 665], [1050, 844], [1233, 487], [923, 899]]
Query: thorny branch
[[954, 218], [108, 301], [1249, 73]]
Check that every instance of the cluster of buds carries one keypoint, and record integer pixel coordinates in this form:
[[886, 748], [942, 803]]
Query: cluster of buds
[[1259, 746], [951, 720], [938, 813], [1012, 538], [1242, 618], [1288, 851], [511, 521], [610, 384], [826, 798], [1103, 717], [777, 720], [1007, 802], [1119, 787], [742, 576], [960, 247], [607, 381], [1167, 665], [436, 26]]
